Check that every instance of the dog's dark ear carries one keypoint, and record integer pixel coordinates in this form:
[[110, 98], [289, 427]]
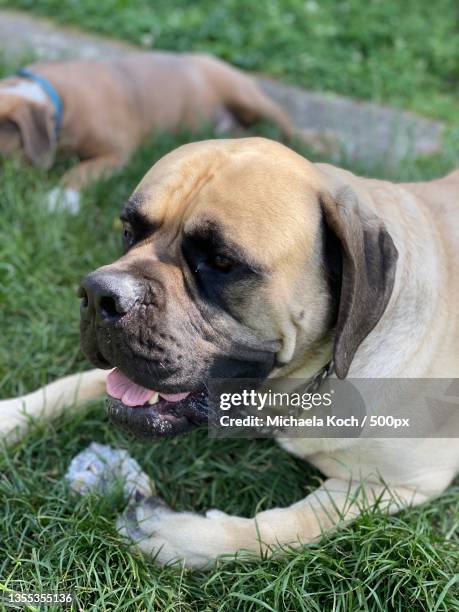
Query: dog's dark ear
[[37, 133], [369, 258]]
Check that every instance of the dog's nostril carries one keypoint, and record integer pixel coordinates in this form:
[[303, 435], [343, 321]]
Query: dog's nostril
[[109, 308], [107, 297], [82, 294]]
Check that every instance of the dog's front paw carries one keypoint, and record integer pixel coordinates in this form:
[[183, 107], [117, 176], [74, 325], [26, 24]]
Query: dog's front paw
[[156, 530], [60, 198]]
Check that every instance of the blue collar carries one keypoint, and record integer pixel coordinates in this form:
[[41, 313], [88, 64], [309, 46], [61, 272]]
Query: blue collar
[[50, 92]]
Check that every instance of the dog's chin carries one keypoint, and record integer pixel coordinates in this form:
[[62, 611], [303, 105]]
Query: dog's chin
[[162, 419]]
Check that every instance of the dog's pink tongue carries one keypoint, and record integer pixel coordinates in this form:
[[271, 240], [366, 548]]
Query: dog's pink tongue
[[120, 387], [130, 393]]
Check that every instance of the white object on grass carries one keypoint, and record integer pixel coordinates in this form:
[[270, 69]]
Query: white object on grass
[[63, 199], [100, 467]]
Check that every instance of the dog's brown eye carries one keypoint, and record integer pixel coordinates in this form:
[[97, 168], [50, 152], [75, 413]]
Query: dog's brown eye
[[223, 264], [128, 237]]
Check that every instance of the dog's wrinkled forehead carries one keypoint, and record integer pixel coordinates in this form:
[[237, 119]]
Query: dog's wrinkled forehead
[[257, 191]]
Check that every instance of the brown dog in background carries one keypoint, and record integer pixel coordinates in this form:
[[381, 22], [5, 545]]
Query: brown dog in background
[[110, 106]]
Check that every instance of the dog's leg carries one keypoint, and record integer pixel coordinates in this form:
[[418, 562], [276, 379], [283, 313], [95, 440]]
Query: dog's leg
[[93, 169], [251, 105], [241, 95], [198, 540], [67, 195], [49, 401]]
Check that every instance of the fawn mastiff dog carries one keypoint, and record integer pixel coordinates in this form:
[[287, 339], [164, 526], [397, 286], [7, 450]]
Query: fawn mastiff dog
[[243, 259], [102, 110]]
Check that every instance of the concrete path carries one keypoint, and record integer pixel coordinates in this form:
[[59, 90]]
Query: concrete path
[[367, 132]]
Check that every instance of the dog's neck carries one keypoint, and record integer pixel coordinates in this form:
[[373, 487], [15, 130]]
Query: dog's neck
[[24, 88]]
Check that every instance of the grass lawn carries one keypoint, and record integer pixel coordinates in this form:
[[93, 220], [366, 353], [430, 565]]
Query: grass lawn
[[53, 541], [405, 53]]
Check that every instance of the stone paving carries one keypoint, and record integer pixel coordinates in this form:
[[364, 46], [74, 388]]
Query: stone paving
[[366, 132]]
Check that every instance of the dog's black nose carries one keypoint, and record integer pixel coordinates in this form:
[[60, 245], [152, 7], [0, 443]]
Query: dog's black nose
[[108, 295]]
